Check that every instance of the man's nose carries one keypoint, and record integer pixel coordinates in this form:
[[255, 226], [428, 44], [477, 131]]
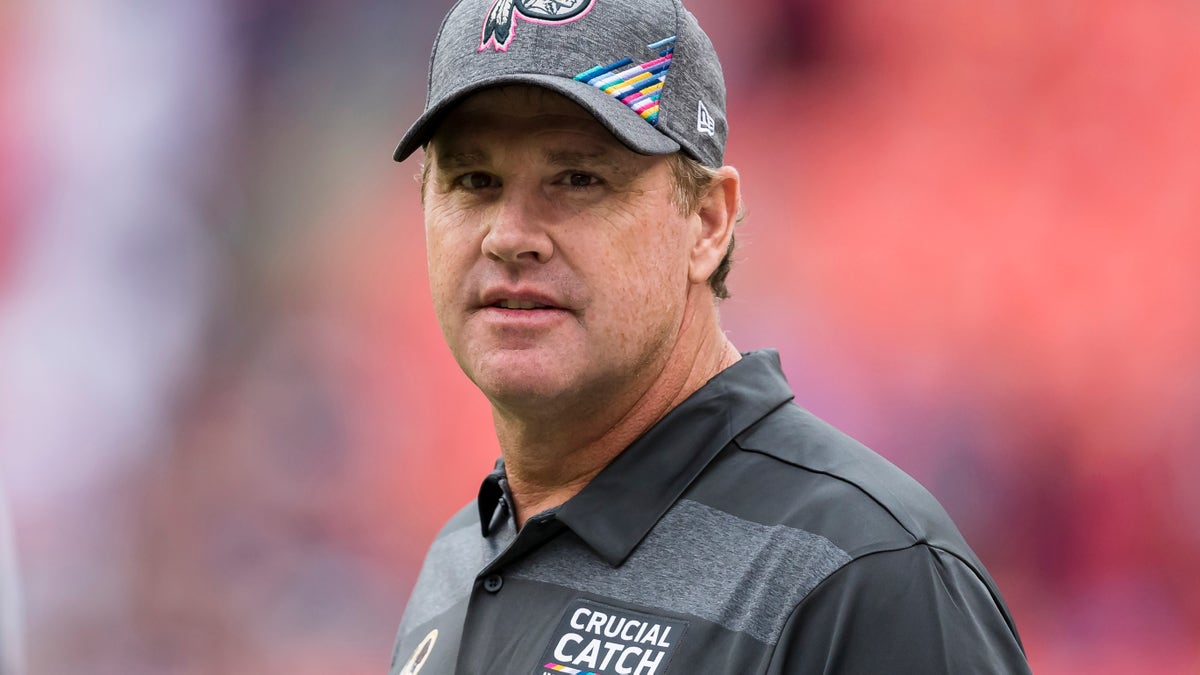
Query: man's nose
[[516, 232]]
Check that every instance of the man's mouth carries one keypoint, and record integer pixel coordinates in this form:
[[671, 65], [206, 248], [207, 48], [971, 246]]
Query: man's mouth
[[521, 304]]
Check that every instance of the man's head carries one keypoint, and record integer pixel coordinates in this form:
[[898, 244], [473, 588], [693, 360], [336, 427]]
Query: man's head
[[560, 261], [644, 68], [577, 227]]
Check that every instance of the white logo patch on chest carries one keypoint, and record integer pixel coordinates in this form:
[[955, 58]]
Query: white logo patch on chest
[[597, 639]]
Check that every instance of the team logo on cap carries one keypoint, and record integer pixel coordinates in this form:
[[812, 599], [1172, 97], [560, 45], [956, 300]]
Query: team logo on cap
[[500, 26]]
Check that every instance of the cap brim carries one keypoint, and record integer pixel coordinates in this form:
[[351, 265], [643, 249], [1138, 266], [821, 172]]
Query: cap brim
[[629, 127]]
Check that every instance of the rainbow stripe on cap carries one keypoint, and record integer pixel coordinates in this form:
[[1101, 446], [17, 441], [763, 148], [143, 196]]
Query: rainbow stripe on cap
[[640, 86]]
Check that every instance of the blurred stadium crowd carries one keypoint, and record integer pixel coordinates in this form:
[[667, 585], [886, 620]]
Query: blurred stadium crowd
[[229, 427]]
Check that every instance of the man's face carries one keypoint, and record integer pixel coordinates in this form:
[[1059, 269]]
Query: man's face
[[558, 260]]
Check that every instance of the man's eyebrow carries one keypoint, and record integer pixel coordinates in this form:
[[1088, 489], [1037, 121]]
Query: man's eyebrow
[[460, 158]]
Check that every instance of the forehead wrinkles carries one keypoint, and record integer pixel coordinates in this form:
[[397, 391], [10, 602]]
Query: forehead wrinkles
[[520, 113], [534, 124]]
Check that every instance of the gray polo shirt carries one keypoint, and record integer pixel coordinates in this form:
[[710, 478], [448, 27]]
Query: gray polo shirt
[[740, 534]]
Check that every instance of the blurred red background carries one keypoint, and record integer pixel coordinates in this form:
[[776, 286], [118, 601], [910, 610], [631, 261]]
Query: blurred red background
[[230, 428]]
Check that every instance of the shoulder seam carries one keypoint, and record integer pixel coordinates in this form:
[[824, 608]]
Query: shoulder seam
[[915, 539], [978, 574], [975, 572]]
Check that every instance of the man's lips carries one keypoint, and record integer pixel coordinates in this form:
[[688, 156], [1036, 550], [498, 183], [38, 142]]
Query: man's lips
[[519, 299], [521, 304]]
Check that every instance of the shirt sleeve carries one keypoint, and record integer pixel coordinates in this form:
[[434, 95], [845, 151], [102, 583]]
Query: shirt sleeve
[[913, 610]]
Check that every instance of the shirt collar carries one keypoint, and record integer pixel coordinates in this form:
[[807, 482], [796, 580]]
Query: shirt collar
[[616, 510], [493, 499]]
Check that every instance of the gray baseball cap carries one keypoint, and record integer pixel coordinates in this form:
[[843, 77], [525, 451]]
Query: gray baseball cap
[[644, 68]]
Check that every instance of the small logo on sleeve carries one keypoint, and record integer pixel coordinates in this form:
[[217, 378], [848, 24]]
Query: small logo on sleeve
[[598, 639], [420, 654]]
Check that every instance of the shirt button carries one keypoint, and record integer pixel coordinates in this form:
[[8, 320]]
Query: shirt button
[[493, 583]]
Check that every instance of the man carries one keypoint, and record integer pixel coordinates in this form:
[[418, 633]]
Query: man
[[661, 506]]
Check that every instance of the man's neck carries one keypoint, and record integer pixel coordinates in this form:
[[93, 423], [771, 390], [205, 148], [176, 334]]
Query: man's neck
[[548, 462]]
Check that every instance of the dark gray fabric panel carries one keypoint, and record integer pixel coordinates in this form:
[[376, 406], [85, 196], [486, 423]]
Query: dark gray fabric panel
[[915, 610]]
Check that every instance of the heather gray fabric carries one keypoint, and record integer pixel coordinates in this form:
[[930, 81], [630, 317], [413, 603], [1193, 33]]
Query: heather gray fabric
[[738, 535], [743, 576], [447, 575], [468, 56], [752, 593]]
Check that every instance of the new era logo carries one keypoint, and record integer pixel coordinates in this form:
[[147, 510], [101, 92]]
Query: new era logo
[[705, 123]]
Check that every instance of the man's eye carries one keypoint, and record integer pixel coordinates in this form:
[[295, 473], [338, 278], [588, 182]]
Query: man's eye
[[477, 180], [580, 180]]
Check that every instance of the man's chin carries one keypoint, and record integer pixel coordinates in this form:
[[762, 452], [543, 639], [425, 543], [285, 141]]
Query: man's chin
[[522, 382]]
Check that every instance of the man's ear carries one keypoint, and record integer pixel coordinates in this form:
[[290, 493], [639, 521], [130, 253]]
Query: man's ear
[[718, 213]]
